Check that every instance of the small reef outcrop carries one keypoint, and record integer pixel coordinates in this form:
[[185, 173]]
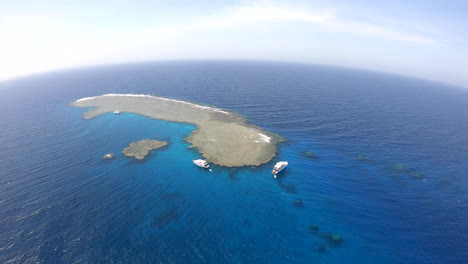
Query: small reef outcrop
[[140, 149]]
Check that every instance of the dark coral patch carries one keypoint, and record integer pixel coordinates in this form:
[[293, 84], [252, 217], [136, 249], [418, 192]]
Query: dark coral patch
[[403, 169], [165, 218], [363, 158], [309, 155], [172, 196], [322, 248], [335, 239], [290, 188], [247, 223], [232, 175], [299, 203], [314, 228]]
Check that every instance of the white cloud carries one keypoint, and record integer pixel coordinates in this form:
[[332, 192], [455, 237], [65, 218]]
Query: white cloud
[[244, 16], [329, 21], [31, 44], [377, 31], [40, 43]]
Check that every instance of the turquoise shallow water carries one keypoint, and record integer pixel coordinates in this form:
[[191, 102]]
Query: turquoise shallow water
[[407, 203]]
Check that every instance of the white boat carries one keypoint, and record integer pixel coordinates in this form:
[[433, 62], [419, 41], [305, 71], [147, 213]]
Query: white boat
[[116, 112], [279, 166], [202, 163]]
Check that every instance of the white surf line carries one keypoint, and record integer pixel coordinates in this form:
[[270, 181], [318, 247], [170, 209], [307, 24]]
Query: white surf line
[[84, 99], [264, 138], [159, 98]]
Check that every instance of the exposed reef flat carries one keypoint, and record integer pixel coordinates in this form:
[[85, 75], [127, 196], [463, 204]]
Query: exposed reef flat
[[222, 137], [141, 148]]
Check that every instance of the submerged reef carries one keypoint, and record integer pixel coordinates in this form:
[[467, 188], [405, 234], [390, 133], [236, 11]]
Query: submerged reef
[[289, 187], [335, 238], [399, 167], [322, 248], [363, 158], [172, 196], [299, 203], [232, 174], [416, 175], [403, 169], [165, 218], [314, 228], [140, 149], [222, 137], [247, 223], [309, 155]]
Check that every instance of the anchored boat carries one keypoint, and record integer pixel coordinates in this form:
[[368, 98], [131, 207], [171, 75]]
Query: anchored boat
[[202, 163], [279, 167]]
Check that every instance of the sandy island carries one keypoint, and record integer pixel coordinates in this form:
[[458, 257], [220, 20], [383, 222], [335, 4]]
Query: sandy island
[[141, 148], [222, 137]]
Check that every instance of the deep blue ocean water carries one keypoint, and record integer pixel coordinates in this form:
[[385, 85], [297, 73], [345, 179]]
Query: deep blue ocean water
[[404, 200]]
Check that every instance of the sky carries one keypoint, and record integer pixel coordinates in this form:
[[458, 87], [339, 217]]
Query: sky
[[420, 38]]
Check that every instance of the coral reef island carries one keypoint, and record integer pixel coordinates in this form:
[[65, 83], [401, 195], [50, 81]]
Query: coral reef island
[[222, 137]]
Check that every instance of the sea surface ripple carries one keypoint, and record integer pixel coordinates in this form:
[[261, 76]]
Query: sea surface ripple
[[390, 176]]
